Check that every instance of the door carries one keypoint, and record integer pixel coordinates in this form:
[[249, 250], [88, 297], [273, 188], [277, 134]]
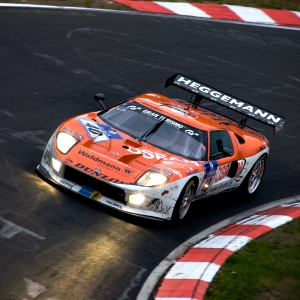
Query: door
[[221, 155]]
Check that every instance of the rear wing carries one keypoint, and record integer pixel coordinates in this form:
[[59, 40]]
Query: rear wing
[[201, 90]]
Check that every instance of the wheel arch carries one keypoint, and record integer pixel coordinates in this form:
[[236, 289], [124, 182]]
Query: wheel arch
[[197, 182]]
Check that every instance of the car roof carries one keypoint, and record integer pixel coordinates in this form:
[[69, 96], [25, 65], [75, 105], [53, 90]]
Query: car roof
[[183, 111]]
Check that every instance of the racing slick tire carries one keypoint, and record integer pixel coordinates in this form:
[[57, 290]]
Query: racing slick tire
[[184, 201], [253, 178]]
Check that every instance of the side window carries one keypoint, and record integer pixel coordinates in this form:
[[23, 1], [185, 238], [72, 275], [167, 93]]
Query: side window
[[220, 144]]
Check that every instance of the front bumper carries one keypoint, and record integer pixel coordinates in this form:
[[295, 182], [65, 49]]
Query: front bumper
[[158, 204]]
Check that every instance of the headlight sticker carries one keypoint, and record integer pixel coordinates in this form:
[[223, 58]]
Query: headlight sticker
[[70, 131]]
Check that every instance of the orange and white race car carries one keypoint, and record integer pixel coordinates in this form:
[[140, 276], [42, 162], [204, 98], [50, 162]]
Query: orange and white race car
[[152, 156]]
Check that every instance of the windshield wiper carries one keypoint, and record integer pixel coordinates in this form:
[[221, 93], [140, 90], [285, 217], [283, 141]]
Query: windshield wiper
[[149, 132]]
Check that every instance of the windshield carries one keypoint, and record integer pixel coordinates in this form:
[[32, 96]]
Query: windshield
[[157, 129]]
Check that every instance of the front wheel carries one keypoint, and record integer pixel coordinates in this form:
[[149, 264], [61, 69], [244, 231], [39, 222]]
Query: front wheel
[[254, 177], [184, 201]]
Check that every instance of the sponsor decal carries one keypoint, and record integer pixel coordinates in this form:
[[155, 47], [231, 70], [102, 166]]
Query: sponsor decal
[[192, 172], [173, 171], [133, 107], [127, 171], [72, 133], [90, 193], [145, 153], [229, 101], [152, 114], [95, 195], [47, 157], [155, 155], [222, 172], [222, 186], [97, 174], [99, 160], [168, 121], [99, 132], [66, 184], [161, 171], [210, 169], [69, 160], [113, 204], [191, 132], [174, 188], [174, 124], [86, 191], [158, 206]]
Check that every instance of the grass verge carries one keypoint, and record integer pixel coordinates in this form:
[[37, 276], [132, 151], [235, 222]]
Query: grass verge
[[266, 268]]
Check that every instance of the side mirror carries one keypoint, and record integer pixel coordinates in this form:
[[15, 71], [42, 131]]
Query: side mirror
[[99, 98]]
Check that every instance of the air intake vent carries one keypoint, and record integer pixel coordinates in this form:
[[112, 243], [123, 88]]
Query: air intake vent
[[103, 187]]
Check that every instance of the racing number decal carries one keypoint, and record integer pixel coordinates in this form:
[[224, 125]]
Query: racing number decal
[[222, 172], [99, 132], [93, 129]]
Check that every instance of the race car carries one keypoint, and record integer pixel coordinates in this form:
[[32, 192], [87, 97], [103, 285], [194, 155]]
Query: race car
[[153, 155]]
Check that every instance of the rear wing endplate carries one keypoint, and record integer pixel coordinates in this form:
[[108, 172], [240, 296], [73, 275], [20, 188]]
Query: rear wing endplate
[[202, 90]]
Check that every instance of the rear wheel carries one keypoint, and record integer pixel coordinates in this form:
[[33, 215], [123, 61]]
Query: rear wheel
[[184, 201], [254, 177]]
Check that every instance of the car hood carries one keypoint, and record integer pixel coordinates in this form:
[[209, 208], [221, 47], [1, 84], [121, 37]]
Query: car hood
[[104, 150]]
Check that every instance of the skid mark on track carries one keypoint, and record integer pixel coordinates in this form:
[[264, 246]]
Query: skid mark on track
[[92, 75], [27, 136], [52, 257], [251, 38], [277, 90], [10, 221], [294, 78], [10, 229], [209, 60], [97, 33], [8, 113], [133, 284], [73, 261], [61, 63], [50, 58]]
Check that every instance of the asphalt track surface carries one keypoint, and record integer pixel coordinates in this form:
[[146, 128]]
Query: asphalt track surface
[[55, 245]]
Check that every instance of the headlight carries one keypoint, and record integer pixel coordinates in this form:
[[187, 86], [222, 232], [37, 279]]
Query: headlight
[[151, 178], [56, 164], [65, 141], [136, 199]]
